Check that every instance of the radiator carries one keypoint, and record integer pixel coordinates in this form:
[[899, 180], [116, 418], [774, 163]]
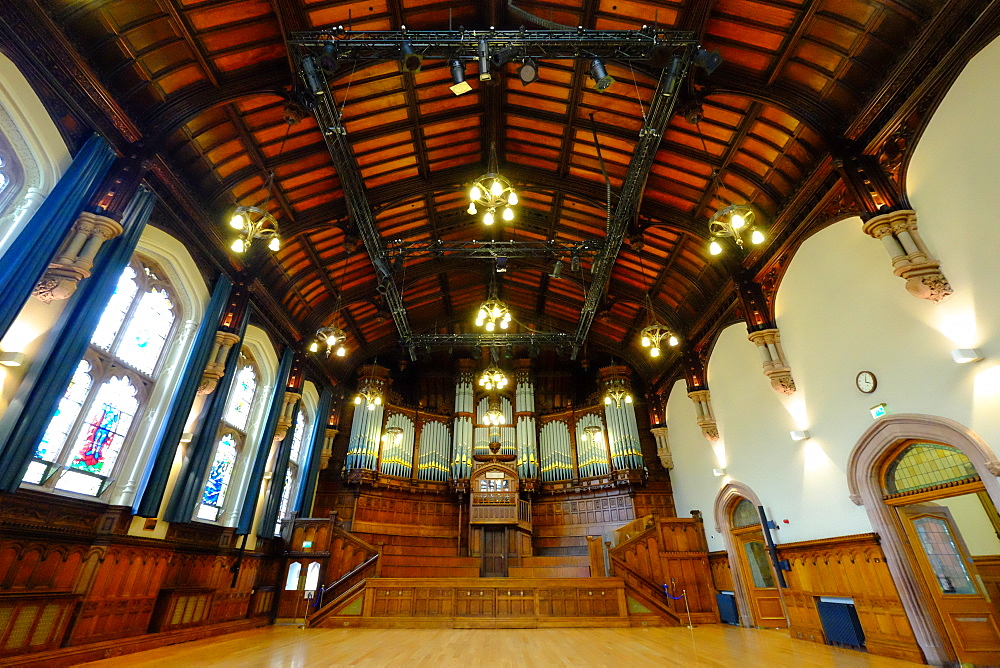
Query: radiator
[[728, 613], [840, 623]]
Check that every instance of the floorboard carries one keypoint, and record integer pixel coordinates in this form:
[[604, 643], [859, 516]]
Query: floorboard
[[711, 645]]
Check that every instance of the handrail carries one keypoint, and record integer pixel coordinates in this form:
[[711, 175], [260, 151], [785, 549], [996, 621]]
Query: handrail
[[632, 540], [646, 589], [325, 592]]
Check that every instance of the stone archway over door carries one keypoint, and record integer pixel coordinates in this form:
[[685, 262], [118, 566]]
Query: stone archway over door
[[863, 480], [728, 497]]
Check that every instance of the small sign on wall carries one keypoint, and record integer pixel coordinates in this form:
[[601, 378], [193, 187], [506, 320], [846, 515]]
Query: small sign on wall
[[879, 410]]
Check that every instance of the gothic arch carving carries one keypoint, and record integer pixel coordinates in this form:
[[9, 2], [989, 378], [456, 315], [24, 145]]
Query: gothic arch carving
[[727, 498], [863, 466]]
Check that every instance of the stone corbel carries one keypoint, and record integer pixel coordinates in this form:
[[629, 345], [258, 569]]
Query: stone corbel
[[327, 451], [663, 447], [76, 258], [285, 419], [911, 260], [768, 342], [216, 367], [706, 417]]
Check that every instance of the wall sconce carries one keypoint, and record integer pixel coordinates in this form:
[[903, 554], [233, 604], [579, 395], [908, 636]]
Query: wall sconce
[[799, 435], [13, 359], [718, 473], [966, 355]]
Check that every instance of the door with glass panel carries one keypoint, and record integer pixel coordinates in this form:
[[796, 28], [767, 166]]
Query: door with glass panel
[[755, 567], [954, 585]]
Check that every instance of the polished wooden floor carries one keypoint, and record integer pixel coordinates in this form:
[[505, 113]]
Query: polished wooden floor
[[721, 646]]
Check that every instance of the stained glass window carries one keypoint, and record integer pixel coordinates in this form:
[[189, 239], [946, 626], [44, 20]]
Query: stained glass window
[[91, 426], [241, 396], [219, 476], [745, 515], [922, 465], [292, 473]]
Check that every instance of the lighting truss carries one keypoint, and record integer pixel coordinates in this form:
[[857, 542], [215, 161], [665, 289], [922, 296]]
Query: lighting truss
[[555, 339], [503, 45], [490, 250]]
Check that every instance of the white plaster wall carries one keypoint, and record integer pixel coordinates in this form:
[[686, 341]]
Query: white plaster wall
[[840, 311], [973, 523]]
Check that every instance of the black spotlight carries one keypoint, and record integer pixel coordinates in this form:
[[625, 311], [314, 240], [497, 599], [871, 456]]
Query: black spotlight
[[602, 80], [327, 60], [461, 86], [528, 71], [411, 60], [707, 60], [557, 270], [503, 56], [484, 60], [659, 56], [574, 264]]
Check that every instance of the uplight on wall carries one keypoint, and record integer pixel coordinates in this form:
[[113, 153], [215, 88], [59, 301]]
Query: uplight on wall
[[966, 355], [799, 434], [13, 359], [718, 473]]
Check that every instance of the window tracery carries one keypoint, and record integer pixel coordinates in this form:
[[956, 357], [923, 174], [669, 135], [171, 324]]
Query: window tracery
[[232, 438], [90, 429]]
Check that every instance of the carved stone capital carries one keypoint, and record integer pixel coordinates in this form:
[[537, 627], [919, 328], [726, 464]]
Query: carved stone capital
[[59, 282], [994, 468], [927, 283], [782, 381], [210, 378], [857, 500], [709, 429]]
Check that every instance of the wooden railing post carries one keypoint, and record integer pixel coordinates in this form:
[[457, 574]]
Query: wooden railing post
[[596, 551]]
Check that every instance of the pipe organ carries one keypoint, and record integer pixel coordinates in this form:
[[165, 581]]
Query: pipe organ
[[590, 444]]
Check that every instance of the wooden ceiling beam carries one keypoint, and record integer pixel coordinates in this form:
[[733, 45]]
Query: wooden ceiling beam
[[182, 26]]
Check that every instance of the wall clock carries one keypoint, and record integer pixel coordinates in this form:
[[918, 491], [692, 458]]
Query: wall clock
[[866, 382]]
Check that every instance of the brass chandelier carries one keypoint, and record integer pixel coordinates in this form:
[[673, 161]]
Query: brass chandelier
[[492, 191], [493, 378], [736, 222]]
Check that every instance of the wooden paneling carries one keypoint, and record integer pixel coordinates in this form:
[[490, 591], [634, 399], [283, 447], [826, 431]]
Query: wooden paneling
[[489, 603], [988, 567], [54, 550], [852, 567], [722, 575], [673, 551]]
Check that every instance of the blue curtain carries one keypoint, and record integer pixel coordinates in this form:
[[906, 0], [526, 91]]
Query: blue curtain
[[264, 447], [37, 398], [191, 482], [304, 497], [27, 259], [149, 496], [270, 515]]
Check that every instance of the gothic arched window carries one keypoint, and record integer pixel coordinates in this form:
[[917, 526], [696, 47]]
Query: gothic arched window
[[232, 438], [292, 480], [92, 425], [11, 175]]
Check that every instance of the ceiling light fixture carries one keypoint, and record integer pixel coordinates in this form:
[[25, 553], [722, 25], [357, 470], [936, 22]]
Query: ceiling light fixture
[[736, 222], [493, 415], [602, 80], [369, 396], [493, 378], [255, 222], [333, 338], [460, 85], [492, 190], [393, 434], [492, 314], [654, 334], [617, 393]]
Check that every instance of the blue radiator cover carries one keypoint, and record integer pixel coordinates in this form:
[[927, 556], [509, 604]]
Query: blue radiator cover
[[728, 612], [841, 624]]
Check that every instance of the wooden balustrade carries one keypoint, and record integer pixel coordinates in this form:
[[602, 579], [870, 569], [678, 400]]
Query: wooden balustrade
[[633, 529], [674, 552]]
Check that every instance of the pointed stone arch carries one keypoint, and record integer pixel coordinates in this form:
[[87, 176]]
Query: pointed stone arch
[[863, 480]]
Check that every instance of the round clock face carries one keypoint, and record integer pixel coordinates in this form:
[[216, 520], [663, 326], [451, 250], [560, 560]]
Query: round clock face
[[866, 382]]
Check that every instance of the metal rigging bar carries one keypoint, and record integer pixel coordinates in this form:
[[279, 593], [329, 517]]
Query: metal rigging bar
[[479, 340], [489, 250], [660, 110], [464, 44], [330, 124]]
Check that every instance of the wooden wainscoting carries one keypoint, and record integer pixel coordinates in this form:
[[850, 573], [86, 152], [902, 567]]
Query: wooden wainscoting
[[851, 567], [486, 603], [78, 578], [722, 574]]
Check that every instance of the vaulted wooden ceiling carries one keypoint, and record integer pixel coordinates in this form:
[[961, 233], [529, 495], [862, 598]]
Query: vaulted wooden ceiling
[[208, 82]]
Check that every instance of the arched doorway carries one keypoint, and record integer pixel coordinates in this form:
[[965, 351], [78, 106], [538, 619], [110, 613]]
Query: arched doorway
[[758, 597], [928, 485]]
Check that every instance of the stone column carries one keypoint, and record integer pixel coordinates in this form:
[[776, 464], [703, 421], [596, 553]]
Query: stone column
[[663, 446], [911, 260], [768, 342], [224, 341], [75, 259]]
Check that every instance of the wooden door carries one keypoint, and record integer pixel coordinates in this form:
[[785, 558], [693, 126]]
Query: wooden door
[[755, 563], [950, 577], [494, 552]]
